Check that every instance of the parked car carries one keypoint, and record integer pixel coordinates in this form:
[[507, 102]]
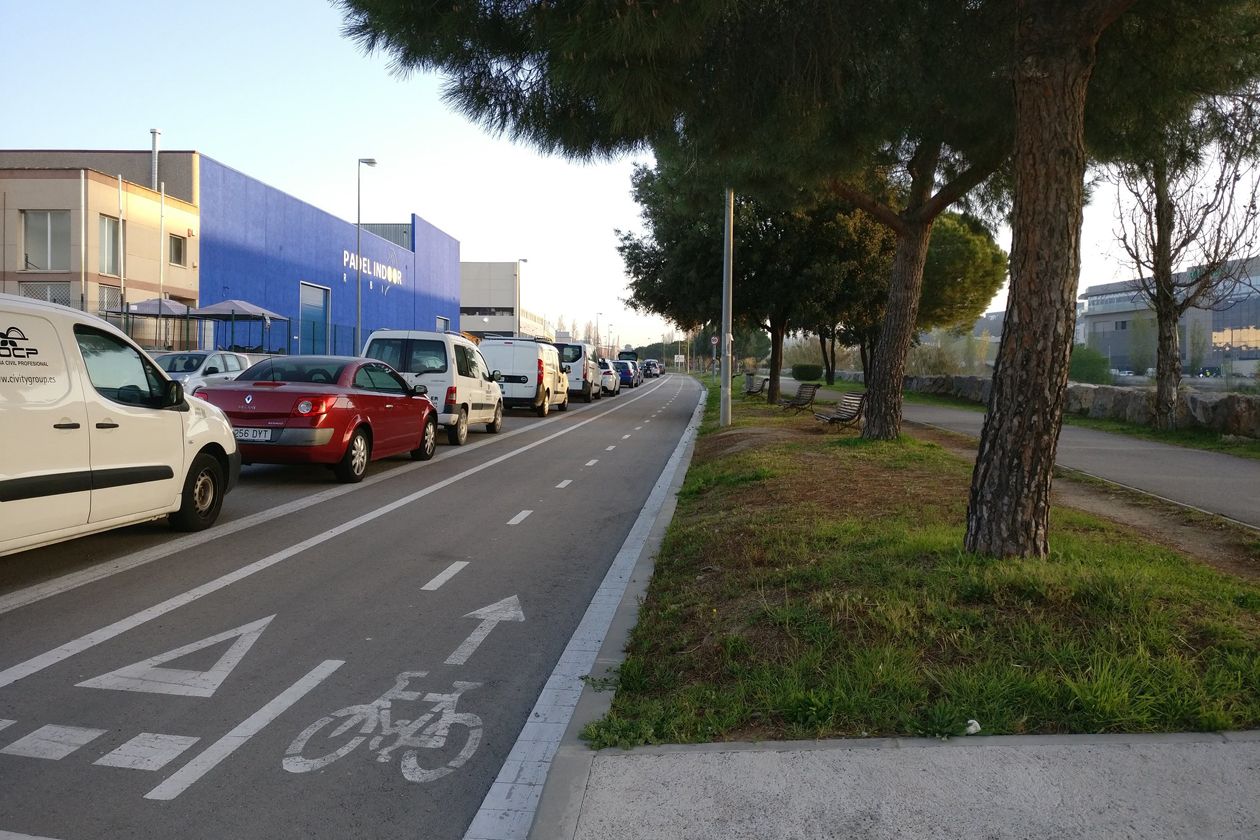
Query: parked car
[[609, 378], [452, 369], [97, 436], [628, 373], [529, 372], [651, 368], [334, 410], [583, 369], [194, 369], [638, 373]]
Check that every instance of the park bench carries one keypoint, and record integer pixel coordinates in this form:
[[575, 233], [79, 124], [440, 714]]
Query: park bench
[[847, 412], [760, 389], [804, 398]]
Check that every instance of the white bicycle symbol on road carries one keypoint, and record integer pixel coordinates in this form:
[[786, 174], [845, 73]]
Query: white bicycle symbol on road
[[373, 723]]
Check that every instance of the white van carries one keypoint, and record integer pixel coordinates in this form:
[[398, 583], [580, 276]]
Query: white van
[[584, 373], [106, 438], [530, 373], [451, 368]]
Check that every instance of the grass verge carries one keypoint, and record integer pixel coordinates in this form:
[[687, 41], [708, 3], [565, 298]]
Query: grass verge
[[814, 586]]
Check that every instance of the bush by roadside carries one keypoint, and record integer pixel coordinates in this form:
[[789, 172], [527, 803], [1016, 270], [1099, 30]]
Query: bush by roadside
[[813, 586]]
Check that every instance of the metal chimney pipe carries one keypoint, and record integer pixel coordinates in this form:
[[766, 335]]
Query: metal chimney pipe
[[153, 164]]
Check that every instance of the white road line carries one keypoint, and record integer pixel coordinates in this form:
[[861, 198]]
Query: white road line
[[564, 484], [209, 758], [610, 448], [53, 741], [625, 437], [507, 812], [73, 580], [13, 835], [4, 723], [592, 462], [636, 428], [444, 576], [44, 660], [148, 751], [519, 518]]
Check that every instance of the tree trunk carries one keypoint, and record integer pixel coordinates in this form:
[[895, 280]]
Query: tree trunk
[[828, 365], [831, 360], [1167, 310], [1008, 511], [866, 362], [884, 380], [777, 330]]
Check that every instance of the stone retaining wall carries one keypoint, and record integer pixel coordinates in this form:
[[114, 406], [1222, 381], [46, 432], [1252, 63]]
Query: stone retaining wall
[[1228, 414]]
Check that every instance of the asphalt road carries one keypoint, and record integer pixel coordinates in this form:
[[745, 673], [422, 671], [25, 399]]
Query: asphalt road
[[328, 661]]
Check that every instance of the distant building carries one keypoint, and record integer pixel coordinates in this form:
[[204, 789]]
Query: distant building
[[991, 323], [490, 302], [1226, 336]]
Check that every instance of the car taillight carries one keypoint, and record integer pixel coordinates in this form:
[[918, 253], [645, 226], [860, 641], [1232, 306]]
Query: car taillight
[[450, 400], [306, 408], [540, 372]]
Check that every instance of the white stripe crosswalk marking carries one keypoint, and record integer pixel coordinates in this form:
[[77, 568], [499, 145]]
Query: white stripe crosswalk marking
[[52, 742], [148, 751]]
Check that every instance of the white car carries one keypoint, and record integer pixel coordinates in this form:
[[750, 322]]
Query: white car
[[451, 368], [107, 439], [530, 373], [609, 378], [195, 369]]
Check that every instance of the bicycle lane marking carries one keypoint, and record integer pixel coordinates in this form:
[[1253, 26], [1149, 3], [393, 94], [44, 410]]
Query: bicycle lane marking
[[507, 811], [38, 663], [47, 589]]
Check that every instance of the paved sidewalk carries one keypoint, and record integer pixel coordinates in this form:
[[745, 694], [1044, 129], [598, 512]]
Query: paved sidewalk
[[1211, 481]]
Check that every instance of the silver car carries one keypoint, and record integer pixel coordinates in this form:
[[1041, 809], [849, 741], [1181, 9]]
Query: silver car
[[195, 369]]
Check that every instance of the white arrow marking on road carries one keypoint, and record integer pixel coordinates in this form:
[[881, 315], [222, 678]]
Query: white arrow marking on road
[[509, 609], [146, 676]]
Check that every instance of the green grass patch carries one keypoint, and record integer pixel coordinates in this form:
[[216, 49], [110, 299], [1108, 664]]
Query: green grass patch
[[814, 585]]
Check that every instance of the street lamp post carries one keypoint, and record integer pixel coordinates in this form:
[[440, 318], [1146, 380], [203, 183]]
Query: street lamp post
[[358, 254], [599, 351]]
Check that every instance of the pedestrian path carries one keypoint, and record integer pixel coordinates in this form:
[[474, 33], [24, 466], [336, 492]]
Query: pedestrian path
[[1214, 482]]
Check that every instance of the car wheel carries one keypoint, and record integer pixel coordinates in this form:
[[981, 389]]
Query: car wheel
[[564, 406], [353, 465], [598, 392], [546, 404], [496, 425], [202, 497], [457, 432], [587, 396], [428, 443]]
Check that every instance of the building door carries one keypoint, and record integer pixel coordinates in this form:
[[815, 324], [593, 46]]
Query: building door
[[314, 314]]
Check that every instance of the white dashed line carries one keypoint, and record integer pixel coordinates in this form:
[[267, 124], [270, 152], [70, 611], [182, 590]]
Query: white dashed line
[[610, 448], [519, 518], [592, 462], [625, 437], [636, 428], [564, 484], [446, 575]]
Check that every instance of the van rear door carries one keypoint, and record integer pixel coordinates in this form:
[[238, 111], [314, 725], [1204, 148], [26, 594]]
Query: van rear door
[[45, 474]]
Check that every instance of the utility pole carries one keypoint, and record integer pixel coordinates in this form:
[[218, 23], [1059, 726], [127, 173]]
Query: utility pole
[[728, 292]]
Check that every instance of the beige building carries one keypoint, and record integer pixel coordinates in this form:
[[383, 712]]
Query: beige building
[[490, 302], [95, 242]]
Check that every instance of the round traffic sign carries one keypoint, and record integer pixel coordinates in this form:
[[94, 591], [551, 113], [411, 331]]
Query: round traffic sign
[[713, 340]]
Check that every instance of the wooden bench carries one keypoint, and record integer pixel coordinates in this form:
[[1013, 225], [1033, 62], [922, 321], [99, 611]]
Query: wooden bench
[[848, 411], [804, 398], [760, 389]]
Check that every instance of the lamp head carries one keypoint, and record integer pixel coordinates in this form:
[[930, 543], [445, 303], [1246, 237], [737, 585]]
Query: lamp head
[[368, 161]]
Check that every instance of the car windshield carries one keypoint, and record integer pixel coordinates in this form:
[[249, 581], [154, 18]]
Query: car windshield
[[314, 370], [180, 362]]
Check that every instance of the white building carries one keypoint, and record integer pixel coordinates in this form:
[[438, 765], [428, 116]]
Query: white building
[[490, 302]]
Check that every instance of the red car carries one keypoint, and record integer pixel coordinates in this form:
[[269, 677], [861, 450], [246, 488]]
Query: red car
[[333, 410]]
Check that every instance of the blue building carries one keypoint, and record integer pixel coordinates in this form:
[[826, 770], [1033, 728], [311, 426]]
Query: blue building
[[198, 232]]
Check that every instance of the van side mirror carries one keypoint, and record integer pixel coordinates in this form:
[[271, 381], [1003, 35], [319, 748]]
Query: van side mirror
[[566, 369], [174, 396], [419, 390], [496, 376]]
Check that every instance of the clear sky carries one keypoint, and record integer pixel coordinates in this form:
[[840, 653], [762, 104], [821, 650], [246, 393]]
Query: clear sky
[[271, 88]]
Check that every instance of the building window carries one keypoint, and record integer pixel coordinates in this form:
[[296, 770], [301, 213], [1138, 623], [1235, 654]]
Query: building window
[[49, 292], [108, 300], [112, 233], [492, 311], [314, 326], [46, 240], [179, 248], [443, 324], [1122, 325]]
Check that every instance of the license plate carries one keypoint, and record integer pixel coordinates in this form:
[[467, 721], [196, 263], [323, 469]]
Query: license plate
[[252, 434]]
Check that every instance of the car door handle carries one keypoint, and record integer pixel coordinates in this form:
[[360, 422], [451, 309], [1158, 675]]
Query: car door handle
[[107, 425], [65, 425]]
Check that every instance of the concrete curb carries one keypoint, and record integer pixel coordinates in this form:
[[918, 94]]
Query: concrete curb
[[565, 788]]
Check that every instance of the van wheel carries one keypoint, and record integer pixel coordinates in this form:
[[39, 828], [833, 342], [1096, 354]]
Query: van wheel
[[496, 425], [564, 406], [546, 404], [202, 497], [587, 396], [353, 465], [457, 432], [428, 442]]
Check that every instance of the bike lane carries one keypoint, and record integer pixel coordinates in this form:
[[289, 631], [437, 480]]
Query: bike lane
[[308, 656]]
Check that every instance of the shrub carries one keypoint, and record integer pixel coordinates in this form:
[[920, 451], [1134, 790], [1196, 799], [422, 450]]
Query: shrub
[[806, 373], [1088, 365]]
